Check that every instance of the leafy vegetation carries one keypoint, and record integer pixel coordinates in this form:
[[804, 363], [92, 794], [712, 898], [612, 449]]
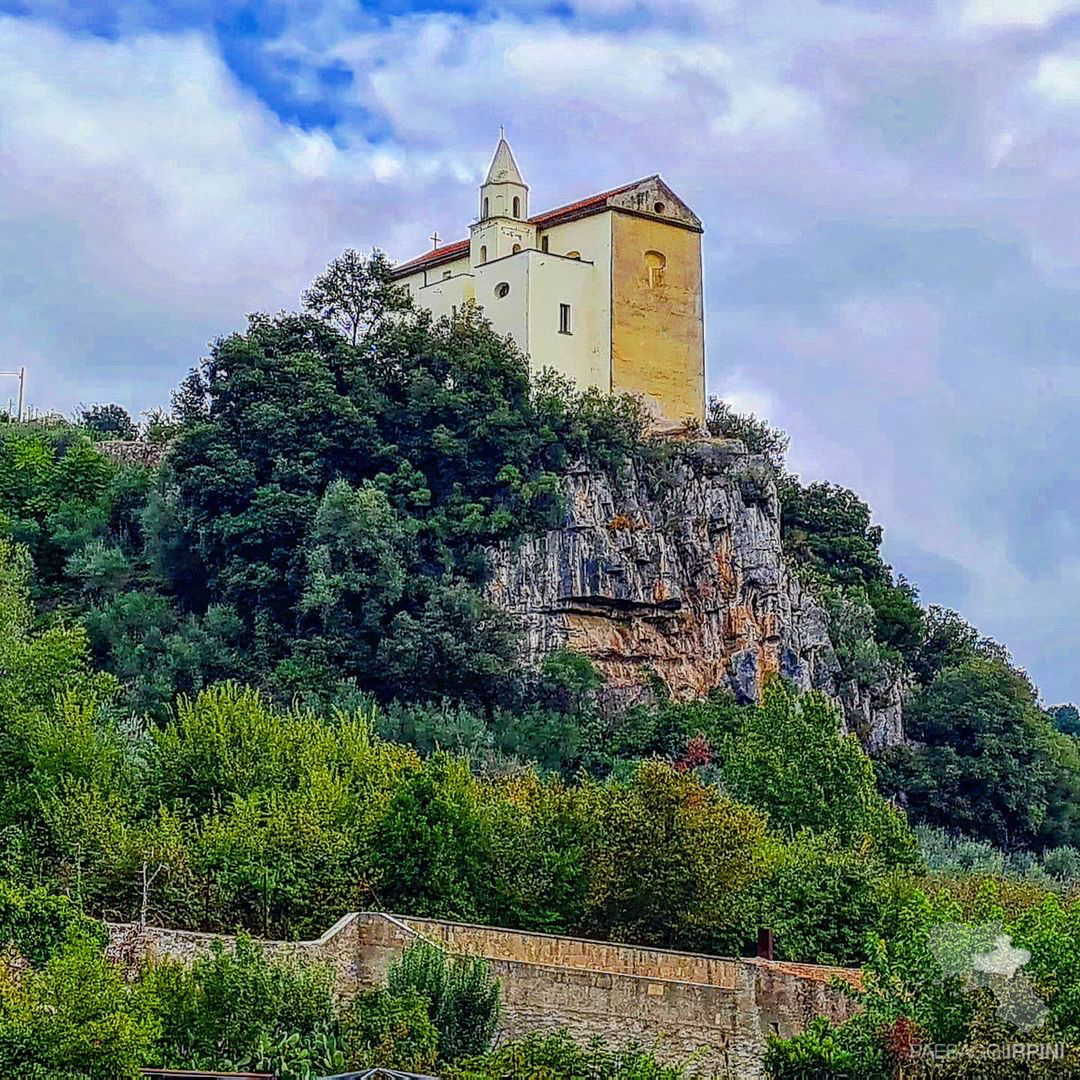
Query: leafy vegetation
[[551, 1057], [258, 685], [462, 997]]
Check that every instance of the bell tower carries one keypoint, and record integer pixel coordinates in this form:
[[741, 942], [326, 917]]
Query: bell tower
[[503, 227], [504, 193]]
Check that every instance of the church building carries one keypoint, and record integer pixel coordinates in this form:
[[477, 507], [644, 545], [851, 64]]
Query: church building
[[605, 290]]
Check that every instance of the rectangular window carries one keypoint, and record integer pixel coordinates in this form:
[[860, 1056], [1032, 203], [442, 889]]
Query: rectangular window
[[445, 274], [543, 243], [564, 319]]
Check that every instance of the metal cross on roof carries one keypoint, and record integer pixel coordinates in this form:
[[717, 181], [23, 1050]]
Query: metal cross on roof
[[434, 238]]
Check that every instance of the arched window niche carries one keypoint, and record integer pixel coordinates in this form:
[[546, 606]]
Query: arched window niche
[[517, 207], [655, 263]]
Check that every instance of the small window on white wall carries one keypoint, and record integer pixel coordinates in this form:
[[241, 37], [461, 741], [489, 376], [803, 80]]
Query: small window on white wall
[[502, 289], [487, 207], [517, 207], [564, 319], [483, 253], [446, 274], [516, 248], [543, 243]]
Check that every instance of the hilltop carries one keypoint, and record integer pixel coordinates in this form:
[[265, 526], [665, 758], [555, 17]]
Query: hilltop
[[392, 624]]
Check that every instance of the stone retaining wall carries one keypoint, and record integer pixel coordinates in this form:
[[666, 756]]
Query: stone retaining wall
[[714, 1011]]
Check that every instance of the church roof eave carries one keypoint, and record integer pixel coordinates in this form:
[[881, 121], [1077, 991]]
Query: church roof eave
[[593, 204]]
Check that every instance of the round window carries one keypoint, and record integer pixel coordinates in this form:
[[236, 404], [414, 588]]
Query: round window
[[502, 289], [659, 208]]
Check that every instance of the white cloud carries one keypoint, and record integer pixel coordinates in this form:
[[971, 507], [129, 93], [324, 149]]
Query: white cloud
[[1058, 78], [151, 202], [1015, 13]]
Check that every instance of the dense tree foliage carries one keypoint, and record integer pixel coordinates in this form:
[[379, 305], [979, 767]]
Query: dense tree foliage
[[988, 762], [910, 1000], [259, 685], [108, 421]]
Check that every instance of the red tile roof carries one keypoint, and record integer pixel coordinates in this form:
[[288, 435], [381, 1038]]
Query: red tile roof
[[446, 253], [581, 208], [571, 211]]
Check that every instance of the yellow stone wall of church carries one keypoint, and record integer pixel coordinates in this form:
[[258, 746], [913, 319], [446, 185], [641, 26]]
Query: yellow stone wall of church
[[657, 332]]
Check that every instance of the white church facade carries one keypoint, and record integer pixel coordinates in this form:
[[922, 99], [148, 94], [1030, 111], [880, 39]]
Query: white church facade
[[606, 290]]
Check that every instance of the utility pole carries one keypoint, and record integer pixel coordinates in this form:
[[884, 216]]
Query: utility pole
[[21, 376]]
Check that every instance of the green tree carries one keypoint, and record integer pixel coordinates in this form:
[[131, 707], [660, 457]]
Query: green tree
[[827, 530], [791, 762], [356, 293], [982, 759], [108, 421], [672, 862], [355, 573], [431, 845], [950, 641], [1066, 718], [821, 900]]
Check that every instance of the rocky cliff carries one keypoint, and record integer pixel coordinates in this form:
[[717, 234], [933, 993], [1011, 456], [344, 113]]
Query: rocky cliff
[[682, 579]]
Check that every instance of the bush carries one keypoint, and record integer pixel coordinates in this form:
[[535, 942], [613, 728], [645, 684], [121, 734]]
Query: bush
[[233, 1006], [36, 923], [74, 1019], [391, 1030], [558, 1057], [463, 996]]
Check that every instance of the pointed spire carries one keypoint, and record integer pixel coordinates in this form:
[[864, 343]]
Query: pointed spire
[[504, 168]]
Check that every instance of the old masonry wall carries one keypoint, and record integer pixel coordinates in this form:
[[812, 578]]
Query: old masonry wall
[[715, 1012]]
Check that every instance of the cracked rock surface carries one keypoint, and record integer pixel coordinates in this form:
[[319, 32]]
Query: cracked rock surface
[[684, 580]]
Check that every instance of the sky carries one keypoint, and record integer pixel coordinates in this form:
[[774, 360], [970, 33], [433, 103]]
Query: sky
[[889, 189]]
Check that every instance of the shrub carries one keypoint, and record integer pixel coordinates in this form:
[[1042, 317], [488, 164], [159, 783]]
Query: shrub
[[75, 1019], [234, 1005], [395, 1031], [464, 996], [37, 923], [558, 1057]]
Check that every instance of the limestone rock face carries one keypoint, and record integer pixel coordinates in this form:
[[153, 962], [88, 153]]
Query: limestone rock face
[[875, 713], [682, 580]]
